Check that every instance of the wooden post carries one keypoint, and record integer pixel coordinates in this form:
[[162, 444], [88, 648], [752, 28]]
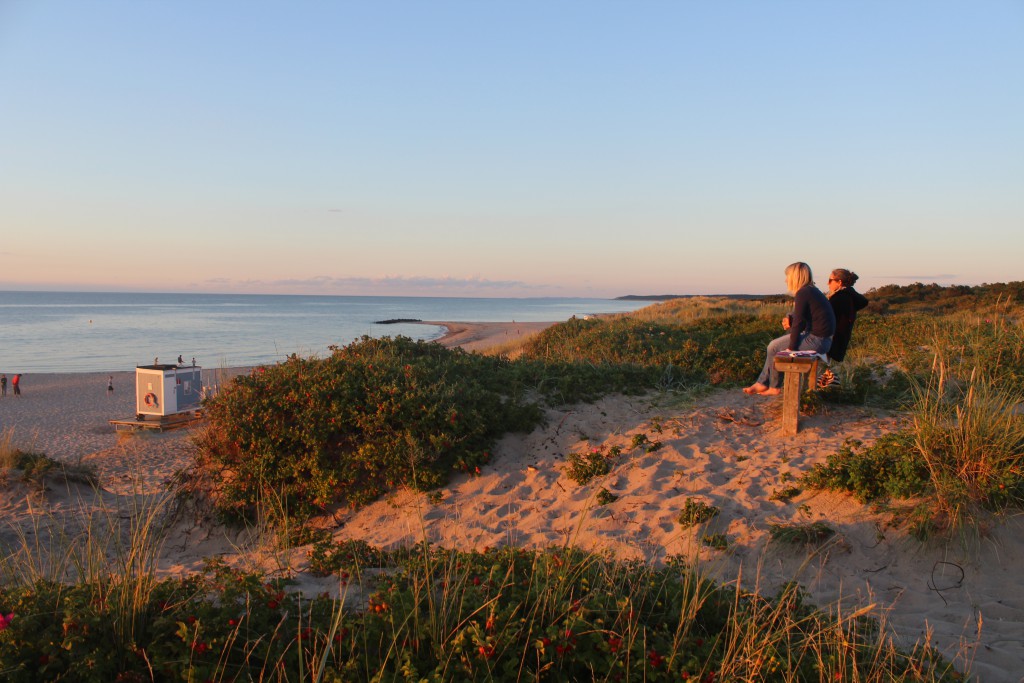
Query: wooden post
[[795, 371]]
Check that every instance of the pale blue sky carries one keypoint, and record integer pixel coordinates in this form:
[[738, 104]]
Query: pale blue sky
[[508, 148]]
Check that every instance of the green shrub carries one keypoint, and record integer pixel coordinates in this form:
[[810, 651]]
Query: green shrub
[[373, 415], [645, 441], [583, 467], [785, 494], [890, 468], [327, 557], [575, 381], [725, 349], [696, 512]]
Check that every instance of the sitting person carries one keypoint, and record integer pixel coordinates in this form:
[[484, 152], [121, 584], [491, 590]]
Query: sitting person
[[811, 326], [846, 301]]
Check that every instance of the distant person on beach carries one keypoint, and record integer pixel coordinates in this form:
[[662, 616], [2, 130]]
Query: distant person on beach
[[110, 385], [180, 361], [845, 301], [3, 385], [811, 325], [16, 383]]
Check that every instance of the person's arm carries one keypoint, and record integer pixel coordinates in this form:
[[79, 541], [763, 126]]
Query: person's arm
[[859, 300]]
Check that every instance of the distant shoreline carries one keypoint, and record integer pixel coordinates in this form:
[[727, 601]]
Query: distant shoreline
[[669, 297], [78, 332], [469, 336], [478, 336]]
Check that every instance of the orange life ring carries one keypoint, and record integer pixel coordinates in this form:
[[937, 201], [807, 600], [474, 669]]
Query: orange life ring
[[150, 399]]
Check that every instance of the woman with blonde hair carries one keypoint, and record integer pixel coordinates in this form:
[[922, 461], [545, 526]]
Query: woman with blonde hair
[[811, 325]]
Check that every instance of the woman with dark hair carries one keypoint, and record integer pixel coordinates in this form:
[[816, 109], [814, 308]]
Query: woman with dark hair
[[811, 326], [846, 301]]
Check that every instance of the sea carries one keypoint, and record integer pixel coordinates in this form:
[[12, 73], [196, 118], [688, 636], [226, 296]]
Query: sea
[[43, 332]]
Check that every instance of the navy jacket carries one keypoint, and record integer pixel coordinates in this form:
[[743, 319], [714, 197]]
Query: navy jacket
[[812, 313]]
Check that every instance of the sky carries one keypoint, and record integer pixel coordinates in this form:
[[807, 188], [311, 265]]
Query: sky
[[499, 148]]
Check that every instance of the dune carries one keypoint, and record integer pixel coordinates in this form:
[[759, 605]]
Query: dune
[[723, 448]]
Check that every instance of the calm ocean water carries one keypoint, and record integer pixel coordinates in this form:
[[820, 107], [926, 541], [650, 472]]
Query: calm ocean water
[[101, 332]]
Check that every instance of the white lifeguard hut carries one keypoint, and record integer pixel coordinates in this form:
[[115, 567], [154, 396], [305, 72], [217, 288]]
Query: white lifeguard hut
[[166, 390]]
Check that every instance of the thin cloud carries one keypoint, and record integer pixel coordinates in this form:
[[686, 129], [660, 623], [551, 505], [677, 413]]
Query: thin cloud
[[385, 283], [919, 278], [404, 282]]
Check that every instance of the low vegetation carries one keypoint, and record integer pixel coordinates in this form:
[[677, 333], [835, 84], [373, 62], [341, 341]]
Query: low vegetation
[[960, 454], [431, 614], [346, 428], [592, 463], [310, 434], [811, 533], [696, 512], [315, 433], [718, 350], [33, 468]]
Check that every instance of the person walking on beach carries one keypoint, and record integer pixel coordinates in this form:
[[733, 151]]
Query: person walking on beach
[[110, 385], [811, 326], [16, 383], [3, 385]]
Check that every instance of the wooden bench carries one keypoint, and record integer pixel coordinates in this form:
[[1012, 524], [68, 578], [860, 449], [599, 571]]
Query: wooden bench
[[797, 372], [159, 423]]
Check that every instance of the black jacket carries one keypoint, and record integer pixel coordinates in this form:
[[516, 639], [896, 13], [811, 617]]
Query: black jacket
[[845, 304], [811, 315]]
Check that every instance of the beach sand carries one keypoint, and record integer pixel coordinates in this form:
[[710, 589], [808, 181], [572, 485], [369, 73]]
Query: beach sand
[[723, 448], [480, 336]]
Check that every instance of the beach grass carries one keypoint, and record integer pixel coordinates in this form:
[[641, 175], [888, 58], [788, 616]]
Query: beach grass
[[427, 613], [289, 441], [386, 412], [961, 453], [34, 467]]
